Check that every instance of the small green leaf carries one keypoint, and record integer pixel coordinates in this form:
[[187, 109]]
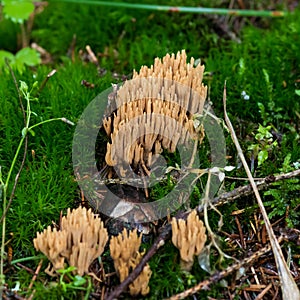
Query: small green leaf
[[28, 56], [24, 131], [297, 92], [19, 65], [35, 85], [79, 280], [254, 148], [242, 66], [262, 157], [23, 86], [266, 75], [32, 132], [8, 55], [17, 11]]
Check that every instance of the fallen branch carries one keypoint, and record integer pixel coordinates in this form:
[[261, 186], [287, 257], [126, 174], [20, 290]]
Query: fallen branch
[[246, 190]]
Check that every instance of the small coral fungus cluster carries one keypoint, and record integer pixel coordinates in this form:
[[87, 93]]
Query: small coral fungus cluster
[[124, 251], [82, 238], [189, 237]]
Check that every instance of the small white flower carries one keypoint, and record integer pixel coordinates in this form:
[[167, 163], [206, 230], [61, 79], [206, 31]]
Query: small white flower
[[296, 164], [245, 96], [17, 287], [215, 170], [221, 176], [229, 168]]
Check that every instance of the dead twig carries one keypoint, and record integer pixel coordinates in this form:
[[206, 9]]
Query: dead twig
[[92, 56], [246, 190], [71, 50], [288, 285], [263, 292], [45, 55], [36, 273], [46, 80]]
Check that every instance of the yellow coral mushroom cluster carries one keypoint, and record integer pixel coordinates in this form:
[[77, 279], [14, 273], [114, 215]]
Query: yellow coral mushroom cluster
[[80, 240], [189, 237], [155, 111], [124, 249]]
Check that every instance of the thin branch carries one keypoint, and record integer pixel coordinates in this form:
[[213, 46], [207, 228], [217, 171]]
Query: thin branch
[[18, 90], [246, 190], [46, 80], [288, 285]]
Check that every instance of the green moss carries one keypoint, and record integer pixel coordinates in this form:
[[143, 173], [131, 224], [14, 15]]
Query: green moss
[[264, 65]]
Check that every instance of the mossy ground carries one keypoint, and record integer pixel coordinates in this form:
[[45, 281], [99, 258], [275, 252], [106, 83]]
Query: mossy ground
[[264, 64]]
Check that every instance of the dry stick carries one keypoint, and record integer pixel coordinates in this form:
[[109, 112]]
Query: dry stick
[[36, 273], [264, 291], [18, 90], [92, 55], [217, 276], [246, 190], [46, 80], [288, 285]]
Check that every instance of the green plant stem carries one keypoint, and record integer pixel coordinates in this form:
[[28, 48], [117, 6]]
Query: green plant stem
[[19, 260], [5, 187], [3, 219], [27, 129], [185, 9], [43, 122], [12, 167], [2, 277]]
